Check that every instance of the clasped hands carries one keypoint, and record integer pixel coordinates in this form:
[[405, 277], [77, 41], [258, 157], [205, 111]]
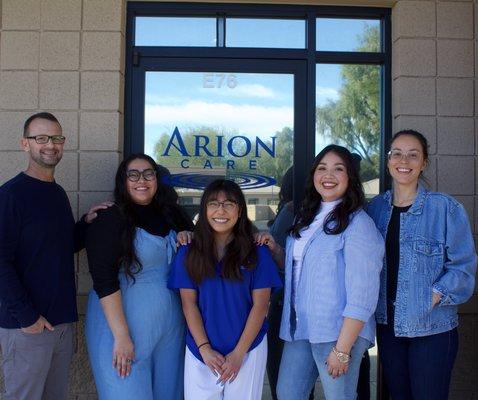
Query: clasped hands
[[335, 368], [226, 367]]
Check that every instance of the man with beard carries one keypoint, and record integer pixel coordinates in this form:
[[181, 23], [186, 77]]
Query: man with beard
[[38, 238]]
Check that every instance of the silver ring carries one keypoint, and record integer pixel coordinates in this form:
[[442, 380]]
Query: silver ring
[[129, 361]]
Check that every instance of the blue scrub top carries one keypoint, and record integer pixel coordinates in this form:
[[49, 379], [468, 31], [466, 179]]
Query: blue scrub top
[[225, 303]]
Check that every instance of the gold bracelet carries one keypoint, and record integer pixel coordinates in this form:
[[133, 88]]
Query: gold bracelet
[[343, 358]]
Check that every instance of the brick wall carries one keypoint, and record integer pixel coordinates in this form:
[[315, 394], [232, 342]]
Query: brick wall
[[434, 77], [66, 57]]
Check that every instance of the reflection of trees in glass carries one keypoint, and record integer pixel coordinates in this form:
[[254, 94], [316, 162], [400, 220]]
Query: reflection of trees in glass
[[273, 166], [266, 164], [354, 119], [276, 167]]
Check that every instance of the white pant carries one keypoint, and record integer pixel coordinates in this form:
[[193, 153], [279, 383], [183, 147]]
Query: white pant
[[200, 382]]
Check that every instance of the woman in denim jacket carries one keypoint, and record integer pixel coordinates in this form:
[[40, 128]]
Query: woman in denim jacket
[[429, 269], [333, 260]]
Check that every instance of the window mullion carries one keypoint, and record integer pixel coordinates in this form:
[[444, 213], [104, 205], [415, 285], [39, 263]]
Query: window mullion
[[221, 30]]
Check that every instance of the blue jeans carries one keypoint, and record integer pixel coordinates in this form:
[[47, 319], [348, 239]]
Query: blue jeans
[[302, 362], [417, 368]]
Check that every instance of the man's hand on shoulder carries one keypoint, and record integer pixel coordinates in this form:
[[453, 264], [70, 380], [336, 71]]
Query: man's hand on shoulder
[[92, 212], [39, 326]]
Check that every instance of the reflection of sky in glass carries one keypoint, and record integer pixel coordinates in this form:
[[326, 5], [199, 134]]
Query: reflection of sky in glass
[[328, 83], [175, 31], [247, 103], [271, 33], [240, 32], [335, 34]]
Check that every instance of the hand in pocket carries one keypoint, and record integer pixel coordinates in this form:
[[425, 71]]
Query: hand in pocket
[[436, 297]]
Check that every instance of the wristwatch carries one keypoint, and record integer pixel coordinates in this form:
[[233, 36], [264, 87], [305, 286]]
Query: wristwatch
[[344, 358]]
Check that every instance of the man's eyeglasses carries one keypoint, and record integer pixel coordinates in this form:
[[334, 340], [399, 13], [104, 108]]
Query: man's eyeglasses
[[398, 155], [44, 139], [134, 175], [228, 205]]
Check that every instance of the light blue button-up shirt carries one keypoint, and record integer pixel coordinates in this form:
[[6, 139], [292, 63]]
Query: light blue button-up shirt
[[340, 277]]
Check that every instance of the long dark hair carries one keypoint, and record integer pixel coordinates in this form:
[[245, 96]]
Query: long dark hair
[[240, 251], [163, 201], [338, 219], [286, 193]]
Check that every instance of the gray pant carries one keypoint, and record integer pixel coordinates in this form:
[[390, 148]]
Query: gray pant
[[36, 366]]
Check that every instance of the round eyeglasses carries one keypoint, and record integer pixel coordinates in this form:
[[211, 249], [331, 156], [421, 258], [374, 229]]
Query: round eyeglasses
[[134, 175], [399, 155], [228, 205]]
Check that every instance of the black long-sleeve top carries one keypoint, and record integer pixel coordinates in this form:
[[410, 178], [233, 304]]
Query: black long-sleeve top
[[104, 243], [38, 238]]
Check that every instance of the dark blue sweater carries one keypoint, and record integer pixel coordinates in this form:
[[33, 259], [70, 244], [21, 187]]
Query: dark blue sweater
[[37, 245]]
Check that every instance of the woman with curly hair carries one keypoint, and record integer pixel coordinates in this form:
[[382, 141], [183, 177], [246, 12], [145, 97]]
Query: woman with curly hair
[[134, 323], [333, 259]]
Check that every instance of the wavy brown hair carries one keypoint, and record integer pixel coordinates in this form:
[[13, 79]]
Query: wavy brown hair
[[338, 219], [201, 257]]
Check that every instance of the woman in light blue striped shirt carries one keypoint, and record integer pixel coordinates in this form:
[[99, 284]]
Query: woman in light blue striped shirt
[[333, 259]]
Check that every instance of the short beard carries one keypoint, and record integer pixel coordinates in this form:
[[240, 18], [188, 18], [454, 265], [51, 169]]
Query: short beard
[[44, 164]]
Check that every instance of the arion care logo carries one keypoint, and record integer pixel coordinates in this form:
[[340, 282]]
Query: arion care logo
[[200, 181], [218, 156]]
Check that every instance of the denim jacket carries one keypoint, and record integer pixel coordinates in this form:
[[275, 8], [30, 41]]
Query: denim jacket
[[437, 254], [340, 277]]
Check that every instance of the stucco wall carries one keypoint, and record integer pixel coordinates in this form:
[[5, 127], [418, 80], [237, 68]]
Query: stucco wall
[[66, 56]]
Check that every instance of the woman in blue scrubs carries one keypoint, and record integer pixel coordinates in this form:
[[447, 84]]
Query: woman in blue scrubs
[[225, 282]]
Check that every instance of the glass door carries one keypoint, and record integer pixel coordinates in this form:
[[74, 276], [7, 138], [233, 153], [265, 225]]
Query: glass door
[[245, 123]]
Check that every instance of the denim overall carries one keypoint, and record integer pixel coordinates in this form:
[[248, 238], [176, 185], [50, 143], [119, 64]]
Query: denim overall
[[156, 325]]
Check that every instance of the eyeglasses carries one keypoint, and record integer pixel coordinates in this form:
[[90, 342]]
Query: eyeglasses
[[398, 155], [134, 175], [228, 205], [44, 139]]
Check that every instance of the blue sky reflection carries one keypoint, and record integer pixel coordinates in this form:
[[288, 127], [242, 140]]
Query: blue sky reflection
[[245, 103], [334, 34]]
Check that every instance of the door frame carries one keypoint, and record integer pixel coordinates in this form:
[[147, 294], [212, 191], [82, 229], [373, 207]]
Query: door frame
[[304, 141], [135, 56]]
